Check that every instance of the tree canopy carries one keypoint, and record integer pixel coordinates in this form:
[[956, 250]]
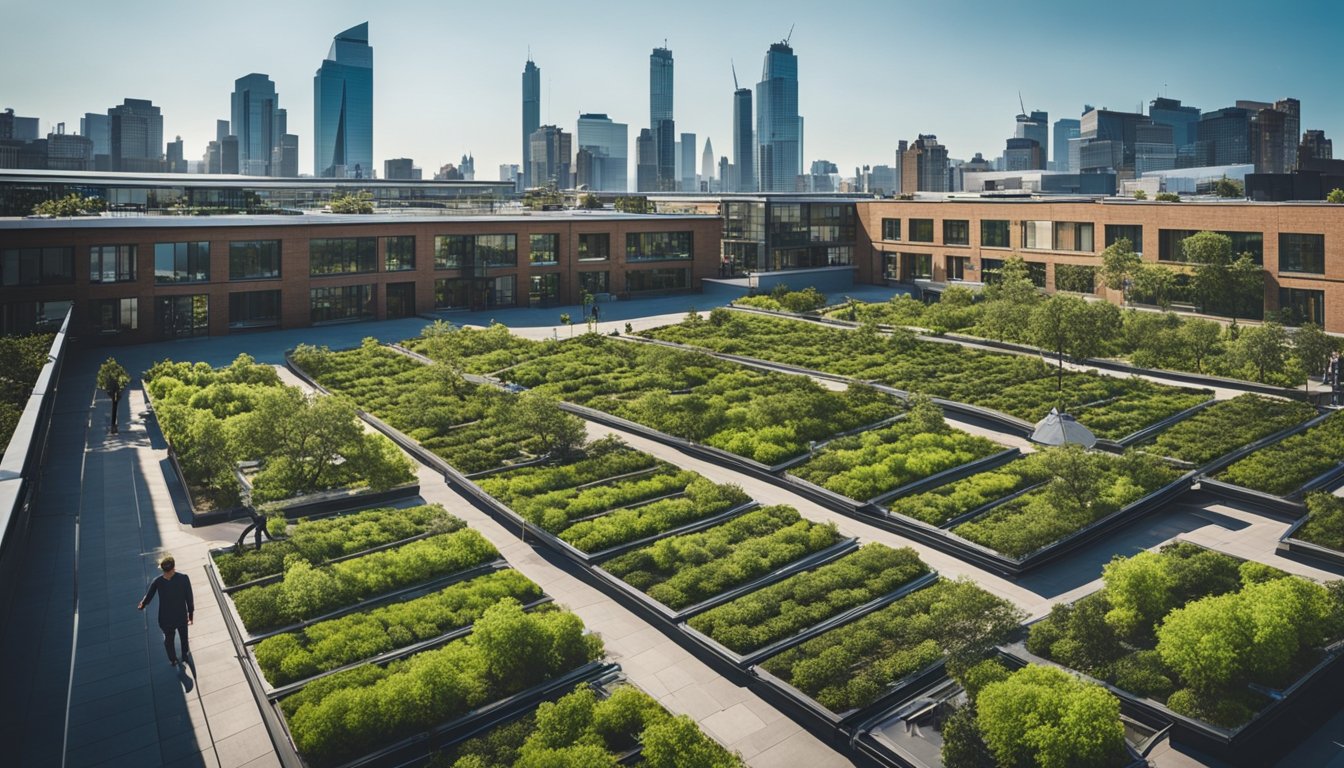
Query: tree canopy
[[1044, 716]]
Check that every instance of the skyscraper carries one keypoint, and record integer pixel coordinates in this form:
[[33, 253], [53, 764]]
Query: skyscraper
[[1035, 126], [778, 127], [98, 128], [744, 145], [608, 144], [1275, 135], [343, 107], [258, 122], [688, 162], [924, 166], [1315, 146], [646, 162], [707, 165], [176, 162], [1184, 122], [551, 150], [1065, 129], [1225, 136], [531, 115], [661, 122], [136, 136]]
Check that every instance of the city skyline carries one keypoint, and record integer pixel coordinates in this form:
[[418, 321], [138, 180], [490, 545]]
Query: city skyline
[[868, 77]]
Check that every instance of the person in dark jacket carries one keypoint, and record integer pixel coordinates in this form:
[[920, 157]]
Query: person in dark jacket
[[176, 606]]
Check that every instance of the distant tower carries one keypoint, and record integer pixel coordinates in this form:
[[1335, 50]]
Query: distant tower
[[343, 107], [744, 145], [779, 129], [1035, 126], [258, 122], [531, 115], [661, 122], [707, 164]]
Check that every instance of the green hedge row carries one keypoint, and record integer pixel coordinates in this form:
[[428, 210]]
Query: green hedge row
[[1226, 426], [702, 499], [1285, 466]]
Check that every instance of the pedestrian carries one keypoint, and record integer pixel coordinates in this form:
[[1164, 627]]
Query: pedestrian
[[1332, 377], [594, 312], [176, 606]]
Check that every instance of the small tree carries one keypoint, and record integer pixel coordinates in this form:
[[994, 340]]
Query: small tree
[[565, 319], [1226, 187], [1044, 716], [1336, 196], [1054, 326], [112, 379], [1119, 263], [358, 202], [1312, 348], [1200, 338], [1139, 194], [1263, 348]]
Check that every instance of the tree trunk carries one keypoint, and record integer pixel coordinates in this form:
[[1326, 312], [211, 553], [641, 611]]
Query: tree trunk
[[116, 406]]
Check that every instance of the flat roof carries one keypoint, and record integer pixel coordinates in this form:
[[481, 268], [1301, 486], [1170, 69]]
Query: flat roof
[[312, 219], [225, 180]]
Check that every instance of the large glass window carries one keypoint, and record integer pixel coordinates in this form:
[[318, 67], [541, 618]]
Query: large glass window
[[1302, 253], [497, 250], [891, 266], [921, 230], [37, 266], [657, 280], [452, 293], [956, 232], [830, 223], [991, 271], [957, 266], [33, 316], [399, 253], [657, 246], [342, 255], [114, 315], [346, 302], [112, 264], [453, 251], [1131, 232], [254, 259], [595, 282], [179, 317], [499, 292], [891, 229], [786, 224], [545, 290], [994, 233], [1074, 236], [1038, 234], [918, 266], [594, 246], [400, 300], [181, 262], [1299, 305], [254, 309], [544, 250], [1169, 244]]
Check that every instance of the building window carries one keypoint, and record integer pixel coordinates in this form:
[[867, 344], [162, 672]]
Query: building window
[[829, 223], [891, 266], [921, 230], [956, 232], [1169, 244], [918, 266], [254, 309], [180, 317], [499, 292], [957, 267], [497, 250], [1302, 253], [657, 280], [181, 262], [891, 229], [1074, 236], [545, 291], [342, 256], [254, 260], [114, 315], [346, 302], [399, 253], [400, 300], [37, 266], [33, 316], [1036, 271], [594, 246], [1298, 306], [112, 264], [1077, 278], [453, 251], [595, 282], [452, 293], [991, 271], [994, 233], [657, 246], [1038, 234], [1131, 232], [544, 250]]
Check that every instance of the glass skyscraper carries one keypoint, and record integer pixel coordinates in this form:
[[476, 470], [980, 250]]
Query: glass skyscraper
[[661, 122], [258, 122], [531, 115], [744, 144], [608, 143], [778, 127], [343, 107], [1065, 129]]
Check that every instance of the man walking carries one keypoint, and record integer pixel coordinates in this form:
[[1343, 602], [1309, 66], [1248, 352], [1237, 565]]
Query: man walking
[[176, 606]]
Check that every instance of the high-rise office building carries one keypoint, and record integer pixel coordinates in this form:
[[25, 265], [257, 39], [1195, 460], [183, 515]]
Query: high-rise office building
[[1184, 122], [1275, 135], [176, 162], [661, 122], [98, 128], [744, 145], [1035, 126], [228, 154], [646, 162], [531, 115], [924, 166], [398, 168], [285, 157], [16, 128], [551, 151], [136, 137], [725, 173], [1022, 154], [1108, 141], [687, 162], [1225, 136], [1154, 148], [778, 127], [258, 122], [707, 165], [1315, 146], [343, 107], [1065, 129], [607, 143], [468, 166]]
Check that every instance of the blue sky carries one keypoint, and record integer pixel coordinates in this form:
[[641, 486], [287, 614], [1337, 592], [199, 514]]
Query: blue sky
[[447, 74]]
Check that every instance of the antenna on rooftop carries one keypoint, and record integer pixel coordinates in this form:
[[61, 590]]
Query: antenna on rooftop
[[790, 36], [1020, 104], [736, 87]]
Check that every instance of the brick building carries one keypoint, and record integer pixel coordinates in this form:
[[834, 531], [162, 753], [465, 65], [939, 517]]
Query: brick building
[[146, 278]]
